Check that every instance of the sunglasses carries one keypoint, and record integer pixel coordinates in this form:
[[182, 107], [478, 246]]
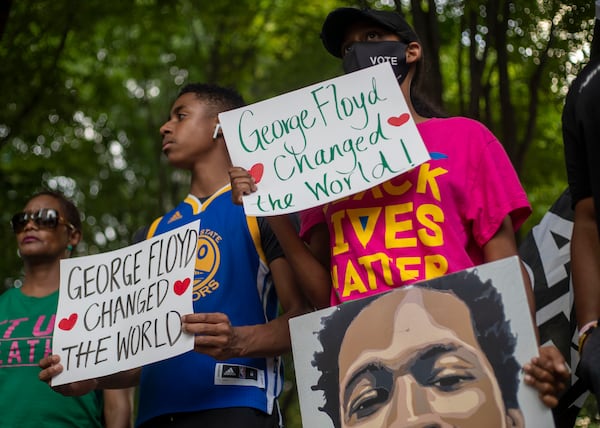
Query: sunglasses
[[46, 218]]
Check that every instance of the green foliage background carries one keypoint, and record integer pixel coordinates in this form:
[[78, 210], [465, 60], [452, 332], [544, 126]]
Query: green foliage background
[[85, 86]]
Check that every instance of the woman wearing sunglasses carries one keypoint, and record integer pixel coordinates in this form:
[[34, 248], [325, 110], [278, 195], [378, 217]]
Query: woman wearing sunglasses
[[46, 231]]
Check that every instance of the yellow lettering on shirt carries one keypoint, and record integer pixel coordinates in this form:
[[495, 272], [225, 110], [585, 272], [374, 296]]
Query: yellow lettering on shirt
[[404, 225], [364, 229], [395, 272], [384, 261], [334, 277], [394, 226], [430, 216], [435, 266], [428, 177], [340, 246], [352, 281], [406, 274], [392, 189], [375, 192]]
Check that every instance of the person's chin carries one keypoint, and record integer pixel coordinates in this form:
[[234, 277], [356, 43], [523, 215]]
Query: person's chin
[[176, 161]]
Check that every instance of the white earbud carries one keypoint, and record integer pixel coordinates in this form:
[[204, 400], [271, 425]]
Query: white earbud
[[216, 133]]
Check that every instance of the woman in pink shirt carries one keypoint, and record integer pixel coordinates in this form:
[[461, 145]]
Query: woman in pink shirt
[[458, 210]]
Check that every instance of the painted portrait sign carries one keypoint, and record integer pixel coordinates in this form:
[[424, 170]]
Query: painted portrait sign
[[122, 309], [324, 142], [447, 351]]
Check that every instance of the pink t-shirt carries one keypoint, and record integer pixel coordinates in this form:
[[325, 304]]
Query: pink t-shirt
[[428, 222]]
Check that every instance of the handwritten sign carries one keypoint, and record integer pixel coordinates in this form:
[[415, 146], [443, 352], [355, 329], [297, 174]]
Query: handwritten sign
[[122, 309], [324, 142]]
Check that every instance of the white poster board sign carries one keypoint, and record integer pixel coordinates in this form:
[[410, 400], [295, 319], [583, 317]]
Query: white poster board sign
[[122, 309], [448, 350], [324, 142]]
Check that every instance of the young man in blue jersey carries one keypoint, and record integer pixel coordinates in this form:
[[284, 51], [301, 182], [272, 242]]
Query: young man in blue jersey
[[234, 377]]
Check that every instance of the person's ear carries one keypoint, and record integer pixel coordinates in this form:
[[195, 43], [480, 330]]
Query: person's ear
[[74, 237], [413, 52], [514, 418]]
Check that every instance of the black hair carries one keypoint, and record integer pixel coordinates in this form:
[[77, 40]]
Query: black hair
[[68, 209], [422, 104], [218, 98], [491, 328]]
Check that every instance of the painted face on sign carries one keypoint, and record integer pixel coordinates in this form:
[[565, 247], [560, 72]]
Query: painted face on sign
[[426, 369]]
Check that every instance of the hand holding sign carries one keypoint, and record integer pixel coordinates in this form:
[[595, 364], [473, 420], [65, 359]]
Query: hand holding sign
[[50, 367], [213, 335], [242, 183]]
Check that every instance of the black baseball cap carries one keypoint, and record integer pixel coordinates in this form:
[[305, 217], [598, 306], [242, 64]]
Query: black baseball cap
[[337, 22]]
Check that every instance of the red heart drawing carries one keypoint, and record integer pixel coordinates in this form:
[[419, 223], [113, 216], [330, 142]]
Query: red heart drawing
[[400, 120], [257, 172], [68, 323], [181, 286]]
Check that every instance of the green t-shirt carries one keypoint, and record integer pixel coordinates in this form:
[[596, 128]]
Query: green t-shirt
[[26, 325]]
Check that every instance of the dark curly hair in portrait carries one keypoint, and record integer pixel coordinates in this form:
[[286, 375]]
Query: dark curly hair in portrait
[[491, 328]]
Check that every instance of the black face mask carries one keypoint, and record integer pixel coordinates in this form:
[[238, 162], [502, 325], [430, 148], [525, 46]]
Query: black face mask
[[366, 54]]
